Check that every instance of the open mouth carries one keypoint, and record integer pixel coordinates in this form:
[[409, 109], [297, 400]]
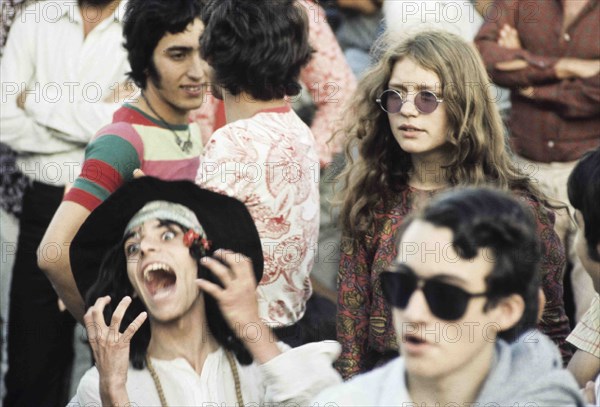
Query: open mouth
[[414, 340], [159, 279]]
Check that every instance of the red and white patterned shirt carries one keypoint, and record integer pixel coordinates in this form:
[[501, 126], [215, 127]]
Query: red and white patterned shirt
[[270, 163]]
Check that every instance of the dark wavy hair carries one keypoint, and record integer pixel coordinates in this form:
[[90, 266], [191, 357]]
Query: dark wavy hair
[[584, 194], [145, 23], [257, 46], [113, 281], [492, 219]]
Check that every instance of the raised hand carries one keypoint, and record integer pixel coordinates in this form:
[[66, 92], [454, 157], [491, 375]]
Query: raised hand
[[237, 301], [237, 298], [109, 345]]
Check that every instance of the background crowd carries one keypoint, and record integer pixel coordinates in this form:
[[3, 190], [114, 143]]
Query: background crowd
[[68, 77]]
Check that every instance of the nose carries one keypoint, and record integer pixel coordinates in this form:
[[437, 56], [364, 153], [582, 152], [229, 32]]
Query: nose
[[408, 108], [148, 244], [417, 309], [197, 68]]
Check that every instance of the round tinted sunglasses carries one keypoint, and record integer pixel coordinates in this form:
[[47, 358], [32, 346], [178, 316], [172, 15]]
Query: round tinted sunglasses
[[445, 301], [391, 101]]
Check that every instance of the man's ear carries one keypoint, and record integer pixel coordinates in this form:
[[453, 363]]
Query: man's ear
[[509, 311]]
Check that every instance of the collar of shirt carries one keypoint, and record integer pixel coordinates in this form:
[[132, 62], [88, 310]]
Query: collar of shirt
[[71, 10]]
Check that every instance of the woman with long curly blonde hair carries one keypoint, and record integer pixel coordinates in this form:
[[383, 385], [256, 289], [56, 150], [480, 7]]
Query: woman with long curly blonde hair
[[423, 120]]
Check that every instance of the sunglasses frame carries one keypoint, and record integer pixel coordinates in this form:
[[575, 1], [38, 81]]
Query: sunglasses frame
[[379, 101], [422, 284]]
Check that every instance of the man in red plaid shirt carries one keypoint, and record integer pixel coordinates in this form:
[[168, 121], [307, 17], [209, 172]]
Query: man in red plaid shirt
[[548, 53]]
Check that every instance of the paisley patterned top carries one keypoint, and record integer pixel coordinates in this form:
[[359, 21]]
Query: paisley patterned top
[[270, 163], [364, 323]]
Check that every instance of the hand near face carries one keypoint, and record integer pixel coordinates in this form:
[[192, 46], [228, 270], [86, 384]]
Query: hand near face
[[109, 345], [237, 298]]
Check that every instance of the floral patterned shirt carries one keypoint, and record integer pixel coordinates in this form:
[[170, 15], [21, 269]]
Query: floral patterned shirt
[[270, 163], [364, 324]]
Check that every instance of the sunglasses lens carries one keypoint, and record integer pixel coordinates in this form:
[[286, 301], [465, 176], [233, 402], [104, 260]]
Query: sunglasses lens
[[426, 101], [446, 301], [398, 287], [391, 101]]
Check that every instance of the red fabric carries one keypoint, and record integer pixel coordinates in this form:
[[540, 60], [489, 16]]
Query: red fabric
[[562, 120], [102, 174], [83, 198]]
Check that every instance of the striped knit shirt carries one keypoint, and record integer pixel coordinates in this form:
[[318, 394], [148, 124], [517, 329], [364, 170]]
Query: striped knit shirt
[[134, 140]]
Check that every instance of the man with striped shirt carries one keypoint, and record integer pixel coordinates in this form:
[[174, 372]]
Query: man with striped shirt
[[154, 135]]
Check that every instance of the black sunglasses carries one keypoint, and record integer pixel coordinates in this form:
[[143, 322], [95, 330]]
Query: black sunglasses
[[445, 301], [391, 101]]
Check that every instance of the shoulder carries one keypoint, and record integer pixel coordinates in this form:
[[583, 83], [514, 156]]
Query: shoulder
[[382, 386], [529, 369], [118, 134]]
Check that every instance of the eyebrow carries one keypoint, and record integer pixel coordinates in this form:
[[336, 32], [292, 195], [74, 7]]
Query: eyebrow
[[418, 87], [439, 276], [445, 277], [180, 48]]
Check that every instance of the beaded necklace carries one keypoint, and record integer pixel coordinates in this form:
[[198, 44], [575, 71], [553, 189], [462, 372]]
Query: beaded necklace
[[234, 371]]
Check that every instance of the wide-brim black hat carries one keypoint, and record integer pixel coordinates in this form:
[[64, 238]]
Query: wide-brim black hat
[[226, 222]]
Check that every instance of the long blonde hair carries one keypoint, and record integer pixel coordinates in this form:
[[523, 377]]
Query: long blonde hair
[[479, 152]]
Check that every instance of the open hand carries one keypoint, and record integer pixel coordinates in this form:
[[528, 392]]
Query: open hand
[[237, 298], [109, 345]]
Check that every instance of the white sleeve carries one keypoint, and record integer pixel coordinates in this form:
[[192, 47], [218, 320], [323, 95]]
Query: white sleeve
[[17, 69], [299, 374], [88, 390], [76, 121]]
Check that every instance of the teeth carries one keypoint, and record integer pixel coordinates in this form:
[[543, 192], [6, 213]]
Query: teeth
[[155, 266]]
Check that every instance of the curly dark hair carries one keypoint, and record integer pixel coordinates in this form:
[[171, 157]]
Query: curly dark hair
[[257, 47], [491, 219], [113, 281], [145, 23], [584, 195]]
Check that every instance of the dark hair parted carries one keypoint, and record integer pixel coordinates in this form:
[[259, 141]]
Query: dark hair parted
[[145, 23], [584, 194], [257, 47], [484, 218], [113, 281]]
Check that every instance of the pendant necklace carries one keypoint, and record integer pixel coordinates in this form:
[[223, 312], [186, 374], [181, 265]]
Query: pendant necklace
[[185, 146]]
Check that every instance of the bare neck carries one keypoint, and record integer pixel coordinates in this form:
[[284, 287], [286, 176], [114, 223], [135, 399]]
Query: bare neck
[[244, 106], [153, 105], [428, 172], [459, 388], [92, 15], [572, 8], [187, 337]]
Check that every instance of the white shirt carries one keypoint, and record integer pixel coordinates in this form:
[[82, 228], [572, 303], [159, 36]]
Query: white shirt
[[269, 162], [67, 78], [295, 376], [405, 17]]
